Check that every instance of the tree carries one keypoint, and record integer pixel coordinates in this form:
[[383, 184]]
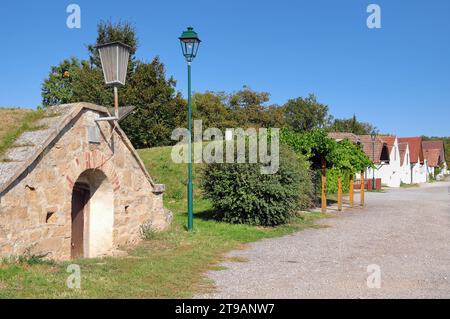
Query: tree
[[249, 109], [352, 125], [159, 109], [210, 108], [108, 32], [306, 114], [315, 145], [58, 87]]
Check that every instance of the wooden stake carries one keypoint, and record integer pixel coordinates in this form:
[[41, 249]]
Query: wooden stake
[[362, 188], [340, 193], [351, 190], [324, 182]]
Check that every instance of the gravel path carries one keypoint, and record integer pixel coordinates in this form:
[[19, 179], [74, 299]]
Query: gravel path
[[406, 232]]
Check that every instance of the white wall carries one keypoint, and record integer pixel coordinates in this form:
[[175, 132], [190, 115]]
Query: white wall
[[391, 173], [405, 175], [419, 172]]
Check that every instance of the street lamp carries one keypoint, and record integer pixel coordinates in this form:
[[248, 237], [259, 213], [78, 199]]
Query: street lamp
[[189, 44], [373, 136], [114, 58]]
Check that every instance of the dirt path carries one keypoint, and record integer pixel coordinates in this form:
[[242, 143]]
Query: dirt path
[[404, 232]]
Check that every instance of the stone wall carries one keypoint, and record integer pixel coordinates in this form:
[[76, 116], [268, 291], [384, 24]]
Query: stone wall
[[35, 211]]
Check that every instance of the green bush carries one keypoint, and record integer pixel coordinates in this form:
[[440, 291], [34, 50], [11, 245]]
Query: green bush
[[242, 195], [332, 181]]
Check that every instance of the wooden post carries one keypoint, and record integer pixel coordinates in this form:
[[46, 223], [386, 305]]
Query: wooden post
[[324, 189], [362, 188], [351, 191], [339, 193]]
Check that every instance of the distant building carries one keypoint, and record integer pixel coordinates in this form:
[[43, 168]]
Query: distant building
[[418, 163], [405, 164], [434, 153]]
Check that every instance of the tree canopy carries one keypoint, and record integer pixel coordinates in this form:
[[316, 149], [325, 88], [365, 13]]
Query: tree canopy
[[306, 114], [352, 125], [317, 146]]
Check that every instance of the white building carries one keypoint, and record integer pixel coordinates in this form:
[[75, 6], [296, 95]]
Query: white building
[[390, 172], [405, 164], [434, 153], [418, 164], [384, 153]]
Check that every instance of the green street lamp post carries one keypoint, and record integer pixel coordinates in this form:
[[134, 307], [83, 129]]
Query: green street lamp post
[[373, 136], [189, 44]]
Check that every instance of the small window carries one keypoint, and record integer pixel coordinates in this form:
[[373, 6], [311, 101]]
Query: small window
[[51, 218], [94, 134]]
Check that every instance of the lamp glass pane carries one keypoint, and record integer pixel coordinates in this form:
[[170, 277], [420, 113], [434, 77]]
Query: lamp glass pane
[[190, 48], [114, 59], [123, 58], [108, 57]]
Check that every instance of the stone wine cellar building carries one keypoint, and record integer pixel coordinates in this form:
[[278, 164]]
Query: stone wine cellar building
[[75, 187]]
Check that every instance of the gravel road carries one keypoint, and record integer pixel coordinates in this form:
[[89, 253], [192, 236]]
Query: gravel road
[[404, 232]]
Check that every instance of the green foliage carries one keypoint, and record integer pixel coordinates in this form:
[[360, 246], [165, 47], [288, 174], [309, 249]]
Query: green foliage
[[147, 231], [108, 32], [352, 125], [28, 123], [249, 109], [245, 108], [306, 114], [210, 108], [446, 140], [347, 156], [58, 87], [242, 195], [159, 109], [332, 181], [315, 145], [28, 258], [438, 170]]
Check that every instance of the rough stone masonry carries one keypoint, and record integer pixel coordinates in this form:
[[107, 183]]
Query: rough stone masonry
[[38, 176]]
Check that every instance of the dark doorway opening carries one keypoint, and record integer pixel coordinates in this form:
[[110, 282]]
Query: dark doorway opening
[[80, 198]]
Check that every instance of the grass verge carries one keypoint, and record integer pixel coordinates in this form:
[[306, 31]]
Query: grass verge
[[17, 122]]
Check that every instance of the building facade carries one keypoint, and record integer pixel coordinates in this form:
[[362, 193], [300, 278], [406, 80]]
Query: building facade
[[76, 188]]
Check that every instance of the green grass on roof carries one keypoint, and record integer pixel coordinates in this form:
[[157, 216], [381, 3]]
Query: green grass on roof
[[14, 123]]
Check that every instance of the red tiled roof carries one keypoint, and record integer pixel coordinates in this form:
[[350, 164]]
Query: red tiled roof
[[339, 136], [402, 147], [415, 148], [366, 141], [389, 140], [435, 145], [432, 156]]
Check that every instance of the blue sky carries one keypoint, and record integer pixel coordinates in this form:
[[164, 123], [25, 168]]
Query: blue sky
[[396, 77]]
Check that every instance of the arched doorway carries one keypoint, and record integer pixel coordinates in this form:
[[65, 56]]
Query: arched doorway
[[92, 215]]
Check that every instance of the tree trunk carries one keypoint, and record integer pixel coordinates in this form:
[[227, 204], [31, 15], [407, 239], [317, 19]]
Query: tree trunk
[[324, 183], [351, 190], [362, 188], [340, 193]]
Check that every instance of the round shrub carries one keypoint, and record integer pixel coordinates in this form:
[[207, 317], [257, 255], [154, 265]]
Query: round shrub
[[242, 195]]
